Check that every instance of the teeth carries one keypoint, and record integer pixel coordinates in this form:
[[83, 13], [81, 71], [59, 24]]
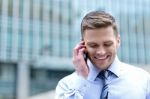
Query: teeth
[[102, 57]]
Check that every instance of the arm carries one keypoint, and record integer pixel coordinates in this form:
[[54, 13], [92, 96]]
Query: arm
[[79, 61], [65, 88], [62, 92], [68, 89]]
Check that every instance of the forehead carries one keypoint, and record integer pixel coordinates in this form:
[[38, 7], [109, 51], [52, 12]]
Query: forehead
[[105, 33]]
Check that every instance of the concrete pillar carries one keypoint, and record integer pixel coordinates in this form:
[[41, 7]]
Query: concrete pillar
[[23, 80]]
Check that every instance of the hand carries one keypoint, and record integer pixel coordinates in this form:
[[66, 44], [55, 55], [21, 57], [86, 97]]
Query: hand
[[79, 61]]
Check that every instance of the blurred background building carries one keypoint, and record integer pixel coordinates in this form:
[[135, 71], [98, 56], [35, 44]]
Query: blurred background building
[[37, 38]]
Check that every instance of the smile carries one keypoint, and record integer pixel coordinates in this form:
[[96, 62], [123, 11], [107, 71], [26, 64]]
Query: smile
[[102, 58]]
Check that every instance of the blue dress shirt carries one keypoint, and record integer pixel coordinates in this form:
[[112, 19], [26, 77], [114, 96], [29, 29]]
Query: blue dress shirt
[[126, 82]]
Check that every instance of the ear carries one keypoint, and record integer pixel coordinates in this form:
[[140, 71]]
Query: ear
[[118, 41]]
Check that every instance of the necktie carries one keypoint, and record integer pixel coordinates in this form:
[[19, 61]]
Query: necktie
[[104, 76]]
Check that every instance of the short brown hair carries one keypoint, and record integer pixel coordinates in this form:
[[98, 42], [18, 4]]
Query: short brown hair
[[98, 19]]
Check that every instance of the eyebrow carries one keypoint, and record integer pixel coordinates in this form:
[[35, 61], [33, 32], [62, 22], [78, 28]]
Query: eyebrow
[[91, 43], [108, 42], [96, 42]]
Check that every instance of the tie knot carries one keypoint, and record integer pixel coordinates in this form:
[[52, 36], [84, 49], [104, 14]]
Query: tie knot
[[104, 74]]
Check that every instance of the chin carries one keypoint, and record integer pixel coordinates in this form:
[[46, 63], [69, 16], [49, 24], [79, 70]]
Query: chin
[[103, 67]]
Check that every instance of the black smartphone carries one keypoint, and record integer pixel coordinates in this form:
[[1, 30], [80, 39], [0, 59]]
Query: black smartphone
[[85, 57], [85, 54]]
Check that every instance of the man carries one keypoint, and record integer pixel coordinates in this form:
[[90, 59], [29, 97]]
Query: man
[[99, 73]]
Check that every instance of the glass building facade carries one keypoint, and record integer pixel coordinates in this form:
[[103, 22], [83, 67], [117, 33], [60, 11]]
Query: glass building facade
[[34, 31]]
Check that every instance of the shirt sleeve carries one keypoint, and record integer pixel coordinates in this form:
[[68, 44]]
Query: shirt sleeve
[[66, 90]]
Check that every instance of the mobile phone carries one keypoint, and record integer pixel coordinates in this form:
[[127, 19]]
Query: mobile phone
[[84, 54], [85, 57]]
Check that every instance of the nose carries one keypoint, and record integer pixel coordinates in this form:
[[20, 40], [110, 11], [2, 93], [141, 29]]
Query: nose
[[101, 51]]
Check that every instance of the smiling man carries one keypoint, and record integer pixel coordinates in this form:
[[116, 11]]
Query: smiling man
[[99, 73], [101, 45]]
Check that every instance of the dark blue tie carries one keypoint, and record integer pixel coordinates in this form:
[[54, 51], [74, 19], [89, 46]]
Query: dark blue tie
[[104, 76]]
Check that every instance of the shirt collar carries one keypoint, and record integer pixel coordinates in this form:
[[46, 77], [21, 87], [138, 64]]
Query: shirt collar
[[94, 71], [115, 67]]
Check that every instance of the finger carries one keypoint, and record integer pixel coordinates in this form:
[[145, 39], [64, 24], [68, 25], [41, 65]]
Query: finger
[[78, 58], [77, 48]]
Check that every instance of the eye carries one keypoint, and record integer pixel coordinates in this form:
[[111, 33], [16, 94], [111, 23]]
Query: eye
[[93, 45], [108, 44]]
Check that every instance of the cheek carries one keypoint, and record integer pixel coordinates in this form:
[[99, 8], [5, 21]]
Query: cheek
[[114, 50], [90, 51]]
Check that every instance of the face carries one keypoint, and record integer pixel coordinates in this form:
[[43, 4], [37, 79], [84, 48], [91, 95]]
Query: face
[[101, 45]]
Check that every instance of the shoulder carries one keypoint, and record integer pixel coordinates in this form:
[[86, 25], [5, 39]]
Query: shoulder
[[135, 71]]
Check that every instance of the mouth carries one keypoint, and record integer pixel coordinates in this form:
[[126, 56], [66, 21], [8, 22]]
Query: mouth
[[101, 58]]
